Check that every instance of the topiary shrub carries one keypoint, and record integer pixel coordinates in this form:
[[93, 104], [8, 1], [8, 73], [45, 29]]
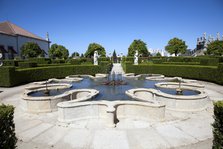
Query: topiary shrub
[[27, 64], [209, 61], [7, 128], [7, 73], [218, 125], [75, 61], [105, 66], [40, 60], [11, 62], [58, 61]]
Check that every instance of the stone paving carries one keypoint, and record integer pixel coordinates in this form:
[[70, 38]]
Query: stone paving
[[184, 130]]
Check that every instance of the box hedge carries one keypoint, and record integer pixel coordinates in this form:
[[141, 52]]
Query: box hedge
[[206, 73], [75, 61], [218, 125], [27, 64], [7, 73], [7, 128], [40, 60], [11, 62], [105, 66], [9, 76], [57, 61]]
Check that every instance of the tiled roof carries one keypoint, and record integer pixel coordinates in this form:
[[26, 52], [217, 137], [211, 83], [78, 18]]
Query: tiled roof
[[12, 29]]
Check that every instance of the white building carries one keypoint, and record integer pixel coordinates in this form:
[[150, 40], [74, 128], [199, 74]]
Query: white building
[[161, 51], [13, 37]]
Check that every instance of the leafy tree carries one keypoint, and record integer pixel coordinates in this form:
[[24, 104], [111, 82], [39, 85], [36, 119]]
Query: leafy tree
[[215, 48], [176, 46], [58, 51], [75, 54], [140, 46], [114, 56], [82, 55], [31, 49], [95, 47], [158, 54]]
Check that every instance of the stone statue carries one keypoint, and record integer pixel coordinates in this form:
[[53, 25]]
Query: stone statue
[[95, 57], [204, 36], [1, 56], [136, 58], [218, 36]]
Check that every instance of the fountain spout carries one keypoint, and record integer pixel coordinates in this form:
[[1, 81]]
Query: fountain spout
[[46, 91], [179, 90]]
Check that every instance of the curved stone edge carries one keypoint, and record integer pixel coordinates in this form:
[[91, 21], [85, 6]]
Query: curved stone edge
[[172, 102], [131, 76], [108, 111], [49, 103], [174, 85], [49, 86]]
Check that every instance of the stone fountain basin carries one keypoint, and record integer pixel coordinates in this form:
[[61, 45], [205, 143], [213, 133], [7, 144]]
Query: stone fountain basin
[[97, 76], [131, 76], [155, 77], [175, 85], [173, 102], [49, 103], [55, 86], [110, 111]]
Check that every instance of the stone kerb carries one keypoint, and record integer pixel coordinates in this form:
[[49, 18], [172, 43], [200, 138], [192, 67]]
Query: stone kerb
[[108, 111]]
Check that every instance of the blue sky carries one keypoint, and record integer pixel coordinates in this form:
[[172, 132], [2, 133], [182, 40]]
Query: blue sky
[[115, 23]]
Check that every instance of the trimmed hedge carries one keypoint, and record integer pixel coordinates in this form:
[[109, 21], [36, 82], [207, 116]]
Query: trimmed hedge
[[105, 66], [7, 73], [207, 61], [7, 128], [75, 61], [58, 61], [11, 62], [206, 73], [40, 60], [27, 64], [182, 63], [9, 76], [218, 125]]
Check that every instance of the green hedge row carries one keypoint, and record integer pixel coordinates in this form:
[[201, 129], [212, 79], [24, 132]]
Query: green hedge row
[[80, 61], [105, 66], [11, 62], [7, 128], [188, 61], [207, 61], [7, 73], [9, 76], [218, 125], [206, 73], [40, 60], [27, 64]]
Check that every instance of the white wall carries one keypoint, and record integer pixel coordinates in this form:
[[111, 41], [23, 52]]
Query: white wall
[[42, 44], [7, 40]]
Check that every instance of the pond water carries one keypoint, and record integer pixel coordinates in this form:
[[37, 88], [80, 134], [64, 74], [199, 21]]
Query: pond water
[[110, 92]]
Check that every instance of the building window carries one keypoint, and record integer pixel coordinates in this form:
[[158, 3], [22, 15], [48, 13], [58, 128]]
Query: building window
[[11, 52], [3, 51]]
